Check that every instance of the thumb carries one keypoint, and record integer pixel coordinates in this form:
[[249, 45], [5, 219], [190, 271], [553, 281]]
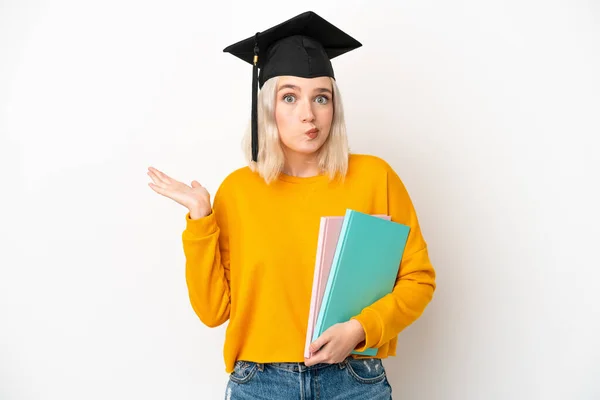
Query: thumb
[[196, 184]]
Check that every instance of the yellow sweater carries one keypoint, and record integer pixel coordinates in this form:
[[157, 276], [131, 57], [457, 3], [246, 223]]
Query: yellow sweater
[[251, 261]]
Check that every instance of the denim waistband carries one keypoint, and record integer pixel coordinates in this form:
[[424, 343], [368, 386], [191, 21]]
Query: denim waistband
[[300, 366]]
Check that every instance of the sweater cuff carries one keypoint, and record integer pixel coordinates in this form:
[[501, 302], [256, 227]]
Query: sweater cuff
[[201, 227], [371, 323]]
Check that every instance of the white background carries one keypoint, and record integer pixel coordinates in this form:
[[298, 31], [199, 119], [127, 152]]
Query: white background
[[488, 111]]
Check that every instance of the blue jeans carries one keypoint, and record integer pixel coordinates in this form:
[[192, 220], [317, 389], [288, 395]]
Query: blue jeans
[[360, 379]]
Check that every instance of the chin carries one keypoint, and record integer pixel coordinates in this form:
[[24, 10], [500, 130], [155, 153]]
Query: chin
[[305, 147], [308, 150]]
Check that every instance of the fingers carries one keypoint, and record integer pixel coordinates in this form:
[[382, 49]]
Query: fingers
[[318, 350], [155, 178], [160, 183], [158, 175], [322, 356], [157, 189], [320, 342], [179, 191]]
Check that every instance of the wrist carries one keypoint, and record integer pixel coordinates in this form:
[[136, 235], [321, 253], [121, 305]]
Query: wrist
[[197, 213], [359, 330]]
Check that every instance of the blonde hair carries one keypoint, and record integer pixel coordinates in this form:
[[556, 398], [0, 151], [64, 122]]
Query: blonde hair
[[332, 156]]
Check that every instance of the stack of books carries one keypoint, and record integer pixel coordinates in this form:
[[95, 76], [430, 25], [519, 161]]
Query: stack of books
[[357, 262]]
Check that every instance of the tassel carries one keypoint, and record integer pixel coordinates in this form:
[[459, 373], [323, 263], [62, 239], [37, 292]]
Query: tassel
[[254, 102]]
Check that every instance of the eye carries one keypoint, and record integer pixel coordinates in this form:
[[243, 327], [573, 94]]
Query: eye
[[289, 98], [322, 99]]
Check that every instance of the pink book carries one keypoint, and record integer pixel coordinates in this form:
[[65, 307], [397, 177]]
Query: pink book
[[329, 232]]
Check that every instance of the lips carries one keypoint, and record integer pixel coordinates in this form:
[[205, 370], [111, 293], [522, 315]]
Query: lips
[[312, 133]]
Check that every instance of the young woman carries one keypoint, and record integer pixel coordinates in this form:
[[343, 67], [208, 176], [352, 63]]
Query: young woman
[[250, 255]]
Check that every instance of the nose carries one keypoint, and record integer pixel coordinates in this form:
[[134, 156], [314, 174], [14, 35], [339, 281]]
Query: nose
[[307, 114]]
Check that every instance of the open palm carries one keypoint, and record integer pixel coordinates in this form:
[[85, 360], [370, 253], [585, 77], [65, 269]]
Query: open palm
[[192, 197]]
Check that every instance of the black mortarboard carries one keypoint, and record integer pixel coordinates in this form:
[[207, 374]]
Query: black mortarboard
[[302, 46]]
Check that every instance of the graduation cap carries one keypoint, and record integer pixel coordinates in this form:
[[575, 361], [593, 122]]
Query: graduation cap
[[301, 46]]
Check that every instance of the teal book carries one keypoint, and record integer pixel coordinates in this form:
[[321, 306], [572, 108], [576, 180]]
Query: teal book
[[364, 268]]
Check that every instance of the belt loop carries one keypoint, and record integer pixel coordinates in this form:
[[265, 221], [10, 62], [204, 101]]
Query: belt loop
[[261, 367]]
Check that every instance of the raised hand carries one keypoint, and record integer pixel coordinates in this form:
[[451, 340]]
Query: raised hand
[[195, 197]]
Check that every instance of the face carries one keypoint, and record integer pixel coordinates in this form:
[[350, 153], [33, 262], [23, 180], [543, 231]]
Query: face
[[303, 112]]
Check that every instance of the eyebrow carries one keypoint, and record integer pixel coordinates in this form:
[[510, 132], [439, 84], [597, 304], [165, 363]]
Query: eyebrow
[[294, 87]]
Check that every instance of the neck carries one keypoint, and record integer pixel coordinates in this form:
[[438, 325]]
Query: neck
[[301, 165]]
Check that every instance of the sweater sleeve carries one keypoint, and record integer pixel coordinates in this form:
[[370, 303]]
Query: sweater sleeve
[[206, 249], [415, 283]]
